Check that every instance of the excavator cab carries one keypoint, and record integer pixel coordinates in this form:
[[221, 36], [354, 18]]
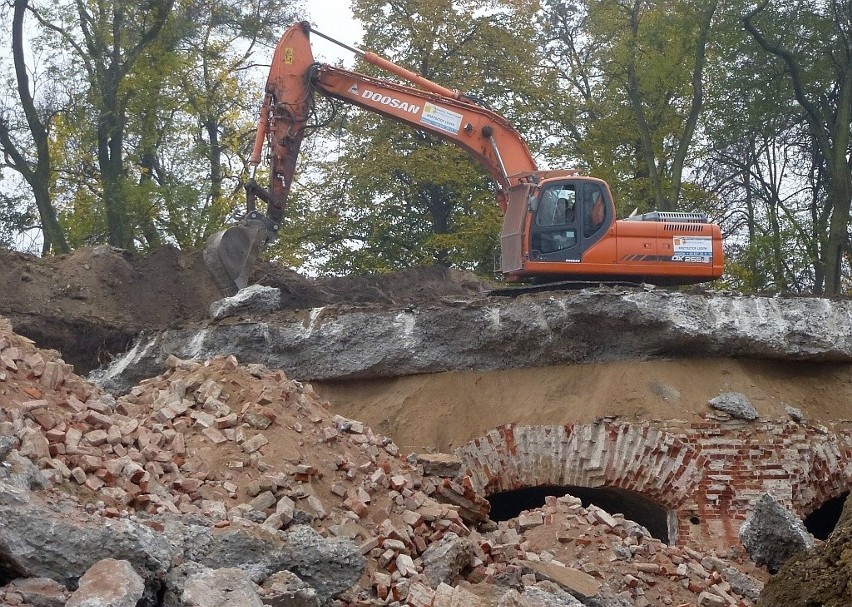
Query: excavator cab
[[565, 228], [566, 220]]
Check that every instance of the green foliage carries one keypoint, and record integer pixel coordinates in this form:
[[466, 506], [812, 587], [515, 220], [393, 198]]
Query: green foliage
[[149, 145], [17, 218], [786, 85], [627, 70], [769, 262]]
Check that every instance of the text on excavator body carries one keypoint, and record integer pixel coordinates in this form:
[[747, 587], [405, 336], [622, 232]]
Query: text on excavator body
[[391, 101]]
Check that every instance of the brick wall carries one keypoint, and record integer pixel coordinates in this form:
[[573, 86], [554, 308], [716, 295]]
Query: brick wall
[[706, 474]]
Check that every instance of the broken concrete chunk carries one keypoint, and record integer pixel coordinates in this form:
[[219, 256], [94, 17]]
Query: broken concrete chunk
[[743, 584], [580, 584], [285, 589], [330, 566], [444, 561], [76, 543], [252, 299], [602, 516], [795, 414], [263, 501], [439, 464], [772, 534], [108, 583], [535, 596], [528, 520], [734, 404], [255, 443], [7, 443], [257, 420], [40, 592], [20, 472], [447, 596], [219, 588]]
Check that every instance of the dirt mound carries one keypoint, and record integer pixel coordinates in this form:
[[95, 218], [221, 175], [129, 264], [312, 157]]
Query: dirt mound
[[91, 303], [417, 286]]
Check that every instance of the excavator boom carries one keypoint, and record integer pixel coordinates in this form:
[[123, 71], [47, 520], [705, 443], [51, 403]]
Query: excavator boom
[[287, 105], [294, 77]]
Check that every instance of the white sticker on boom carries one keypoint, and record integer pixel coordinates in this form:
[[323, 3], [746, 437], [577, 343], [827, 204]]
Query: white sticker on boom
[[694, 249], [441, 118]]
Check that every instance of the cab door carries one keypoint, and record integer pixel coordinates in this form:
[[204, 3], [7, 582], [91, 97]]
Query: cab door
[[569, 217], [554, 233]]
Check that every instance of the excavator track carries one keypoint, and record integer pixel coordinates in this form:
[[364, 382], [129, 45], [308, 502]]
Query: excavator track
[[564, 285]]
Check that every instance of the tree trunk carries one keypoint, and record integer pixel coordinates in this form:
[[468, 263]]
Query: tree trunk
[[634, 95], [110, 139], [114, 45], [37, 177], [440, 207], [830, 121], [696, 102], [838, 231], [214, 159]]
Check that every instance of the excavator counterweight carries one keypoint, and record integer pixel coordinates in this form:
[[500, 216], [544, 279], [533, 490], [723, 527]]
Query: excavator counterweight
[[558, 225]]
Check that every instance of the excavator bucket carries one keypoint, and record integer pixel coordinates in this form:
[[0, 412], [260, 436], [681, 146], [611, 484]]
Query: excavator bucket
[[231, 254]]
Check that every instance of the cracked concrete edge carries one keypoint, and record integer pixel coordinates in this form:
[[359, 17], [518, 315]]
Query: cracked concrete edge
[[491, 334]]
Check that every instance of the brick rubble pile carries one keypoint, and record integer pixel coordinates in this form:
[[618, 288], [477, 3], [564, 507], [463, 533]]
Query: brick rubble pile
[[242, 446]]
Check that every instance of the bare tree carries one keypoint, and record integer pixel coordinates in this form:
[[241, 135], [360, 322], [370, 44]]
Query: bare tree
[[819, 66], [33, 165]]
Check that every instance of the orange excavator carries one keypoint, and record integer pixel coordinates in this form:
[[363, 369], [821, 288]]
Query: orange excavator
[[558, 225]]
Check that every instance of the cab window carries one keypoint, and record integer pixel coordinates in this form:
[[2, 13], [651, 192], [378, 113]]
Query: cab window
[[595, 213], [557, 206]]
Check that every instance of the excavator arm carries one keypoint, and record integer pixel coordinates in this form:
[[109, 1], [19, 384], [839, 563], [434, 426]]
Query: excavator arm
[[288, 106], [486, 136]]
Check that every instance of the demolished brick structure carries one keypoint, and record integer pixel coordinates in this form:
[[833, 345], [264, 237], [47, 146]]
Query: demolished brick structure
[[243, 451], [708, 475]]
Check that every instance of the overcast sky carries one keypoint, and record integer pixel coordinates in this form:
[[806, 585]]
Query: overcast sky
[[334, 18]]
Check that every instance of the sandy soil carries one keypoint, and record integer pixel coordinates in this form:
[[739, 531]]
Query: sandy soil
[[446, 410]]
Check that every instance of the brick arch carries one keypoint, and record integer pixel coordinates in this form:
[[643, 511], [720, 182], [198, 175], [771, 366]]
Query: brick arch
[[826, 473], [639, 458]]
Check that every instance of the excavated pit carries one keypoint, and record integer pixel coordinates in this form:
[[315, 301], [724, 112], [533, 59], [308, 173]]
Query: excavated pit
[[429, 360]]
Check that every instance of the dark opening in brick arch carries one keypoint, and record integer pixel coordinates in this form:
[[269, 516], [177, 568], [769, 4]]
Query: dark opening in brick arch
[[821, 522], [633, 505]]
